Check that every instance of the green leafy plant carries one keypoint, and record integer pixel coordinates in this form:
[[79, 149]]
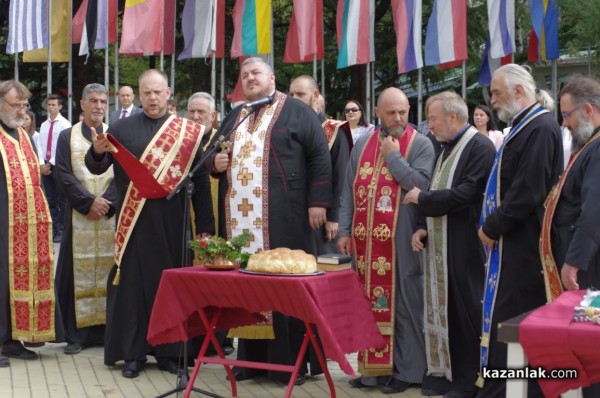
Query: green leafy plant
[[211, 247]]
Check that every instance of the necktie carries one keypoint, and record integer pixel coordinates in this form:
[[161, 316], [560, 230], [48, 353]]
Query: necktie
[[124, 114], [49, 144]]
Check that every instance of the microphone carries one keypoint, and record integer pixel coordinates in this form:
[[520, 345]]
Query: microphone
[[258, 103]]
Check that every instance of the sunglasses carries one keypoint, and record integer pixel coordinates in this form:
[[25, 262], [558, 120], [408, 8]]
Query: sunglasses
[[346, 111]]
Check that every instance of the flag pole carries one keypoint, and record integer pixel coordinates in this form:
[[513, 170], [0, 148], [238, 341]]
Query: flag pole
[[17, 66], [116, 71], [173, 54], [420, 96], [464, 80], [368, 92], [213, 76], [70, 77], [315, 66], [222, 99], [106, 55], [554, 85], [49, 67], [323, 78]]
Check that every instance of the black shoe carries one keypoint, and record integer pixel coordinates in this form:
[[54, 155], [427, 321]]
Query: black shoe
[[357, 383], [57, 238], [132, 369], [19, 352], [300, 379], [72, 349], [169, 365], [33, 345], [227, 350], [395, 386], [4, 362], [239, 374]]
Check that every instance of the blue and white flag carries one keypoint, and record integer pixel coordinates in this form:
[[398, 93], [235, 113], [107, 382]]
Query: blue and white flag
[[501, 19], [27, 25]]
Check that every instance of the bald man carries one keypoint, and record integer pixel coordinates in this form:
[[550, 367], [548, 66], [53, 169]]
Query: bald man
[[126, 97]]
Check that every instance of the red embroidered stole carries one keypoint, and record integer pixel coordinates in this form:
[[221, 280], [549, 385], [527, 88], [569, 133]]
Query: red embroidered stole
[[30, 248], [376, 210], [331, 127], [168, 157], [551, 277]]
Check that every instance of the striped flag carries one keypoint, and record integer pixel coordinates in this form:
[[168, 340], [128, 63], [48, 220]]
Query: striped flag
[[446, 39], [252, 22], [407, 15], [544, 18], [148, 27], [489, 64], [501, 20], [203, 28], [60, 36], [355, 32], [305, 33], [27, 25]]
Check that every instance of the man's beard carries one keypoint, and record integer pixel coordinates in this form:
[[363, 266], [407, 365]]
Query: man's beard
[[507, 112], [394, 132], [582, 134], [11, 121]]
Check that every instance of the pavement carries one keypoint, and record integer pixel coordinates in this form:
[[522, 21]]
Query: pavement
[[84, 375], [56, 375]]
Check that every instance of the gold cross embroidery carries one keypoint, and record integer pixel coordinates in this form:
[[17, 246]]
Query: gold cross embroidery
[[14, 163], [244, 176], [232, 193], [234, 223], [251, 237], [257, 192], [32, 163], [245, 207], [257, 222], [381, 266], [258, 161], [365, 170], [20, 218]]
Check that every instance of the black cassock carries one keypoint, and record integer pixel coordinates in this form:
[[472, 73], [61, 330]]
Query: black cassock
[[465, 254], [531, 164], [155, 244], [79, 199], [299, 178]]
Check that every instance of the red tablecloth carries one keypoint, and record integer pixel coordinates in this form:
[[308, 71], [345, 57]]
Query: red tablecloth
[[552, 340], [334, 302]]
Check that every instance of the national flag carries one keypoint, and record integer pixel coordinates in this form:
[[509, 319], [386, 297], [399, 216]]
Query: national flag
[[27, 25], [305, 33], [238, 91], [501, 23], [148, 27], [489, 64], [532, 49], [95, 24], [446, 39], [355, 32], [407, 15], [544, 18], [252, 24], [60, 36], [200, 25]]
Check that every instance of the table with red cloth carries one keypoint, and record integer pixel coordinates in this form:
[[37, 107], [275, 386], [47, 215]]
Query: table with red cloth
[[552, 340], [334, 302]]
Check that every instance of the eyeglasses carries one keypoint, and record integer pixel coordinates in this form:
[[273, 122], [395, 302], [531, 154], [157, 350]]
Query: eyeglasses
[[16, 107], [354, 110], [567, 115]]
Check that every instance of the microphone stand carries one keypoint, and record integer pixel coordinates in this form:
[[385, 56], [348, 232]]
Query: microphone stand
[[182, 375]]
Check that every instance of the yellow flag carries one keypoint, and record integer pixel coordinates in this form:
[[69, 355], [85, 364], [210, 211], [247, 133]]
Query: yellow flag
[[61, 36]]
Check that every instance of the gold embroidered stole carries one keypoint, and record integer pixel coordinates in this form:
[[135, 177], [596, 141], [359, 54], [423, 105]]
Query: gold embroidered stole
[[436, 269], [30, 248], [168, 157], [247, 200], [93, 241], [376, 210], [551, 277]]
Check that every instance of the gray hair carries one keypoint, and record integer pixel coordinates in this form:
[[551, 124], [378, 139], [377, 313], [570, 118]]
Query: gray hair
[[93, 88], [516, 74], [22, 91], [451, 103], [205, 95], [583, 90], [252, 60]]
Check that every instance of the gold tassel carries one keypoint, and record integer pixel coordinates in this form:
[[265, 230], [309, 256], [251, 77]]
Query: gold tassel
[[117, 278]]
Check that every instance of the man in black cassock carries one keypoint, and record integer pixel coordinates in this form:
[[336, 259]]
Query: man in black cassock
[[155, 241], [452, 207], [281, 144], [575, 233], [527, 166], [305, 89], [87, 249]]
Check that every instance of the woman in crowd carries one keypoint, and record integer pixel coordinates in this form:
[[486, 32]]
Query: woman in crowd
[[485, 123], [354, 113], [29, 126]]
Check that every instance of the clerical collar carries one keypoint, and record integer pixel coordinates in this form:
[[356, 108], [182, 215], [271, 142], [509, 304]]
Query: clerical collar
[[521, 113], [455, 138]]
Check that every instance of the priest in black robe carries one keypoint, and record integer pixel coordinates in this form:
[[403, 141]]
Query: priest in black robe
[[84, 240], [156, 241], [297, 173], [528, 164], [458, 198]]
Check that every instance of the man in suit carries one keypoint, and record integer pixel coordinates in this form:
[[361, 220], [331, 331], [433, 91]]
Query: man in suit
[[127, 109]]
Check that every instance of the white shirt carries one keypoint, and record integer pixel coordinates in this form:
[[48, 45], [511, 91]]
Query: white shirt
[[60, 124], [128, 111]]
